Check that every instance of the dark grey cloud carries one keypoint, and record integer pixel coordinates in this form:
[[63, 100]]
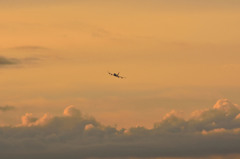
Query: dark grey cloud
[[210, 132], [8, 61], [6, 108]]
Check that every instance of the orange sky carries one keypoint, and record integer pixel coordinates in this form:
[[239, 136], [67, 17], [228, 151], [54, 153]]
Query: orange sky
[[181, 56], [180, 98]]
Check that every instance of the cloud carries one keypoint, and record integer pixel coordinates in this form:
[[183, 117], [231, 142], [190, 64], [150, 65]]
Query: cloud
[[8, 61], [210, 132], [6, 108], [71, 111]]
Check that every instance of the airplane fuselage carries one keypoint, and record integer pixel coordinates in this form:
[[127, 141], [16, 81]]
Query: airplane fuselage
[[115, 75]]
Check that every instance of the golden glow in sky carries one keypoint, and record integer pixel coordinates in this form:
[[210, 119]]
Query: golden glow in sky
[[178, 57]]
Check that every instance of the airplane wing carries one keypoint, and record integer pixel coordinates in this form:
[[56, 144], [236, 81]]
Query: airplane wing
[[116, 75], [121, 77]]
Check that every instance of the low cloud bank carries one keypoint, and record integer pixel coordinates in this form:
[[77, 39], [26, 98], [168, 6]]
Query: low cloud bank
[[214, 131]]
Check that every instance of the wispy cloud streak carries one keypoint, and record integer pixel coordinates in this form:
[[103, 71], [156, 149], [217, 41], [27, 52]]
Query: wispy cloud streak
[[8, 61], [6, 108]]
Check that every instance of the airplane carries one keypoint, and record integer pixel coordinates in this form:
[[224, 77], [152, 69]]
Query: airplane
[[116, 75]]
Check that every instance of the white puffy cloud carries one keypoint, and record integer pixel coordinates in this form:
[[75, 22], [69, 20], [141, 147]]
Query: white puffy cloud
[[71, 111], [214, 131], [28, 119], [222, 115]]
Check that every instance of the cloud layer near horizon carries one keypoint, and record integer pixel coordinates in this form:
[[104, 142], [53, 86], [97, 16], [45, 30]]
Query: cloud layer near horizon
[[213, 131]]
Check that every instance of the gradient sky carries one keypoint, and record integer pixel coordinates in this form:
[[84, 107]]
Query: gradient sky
[[178, 56]]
